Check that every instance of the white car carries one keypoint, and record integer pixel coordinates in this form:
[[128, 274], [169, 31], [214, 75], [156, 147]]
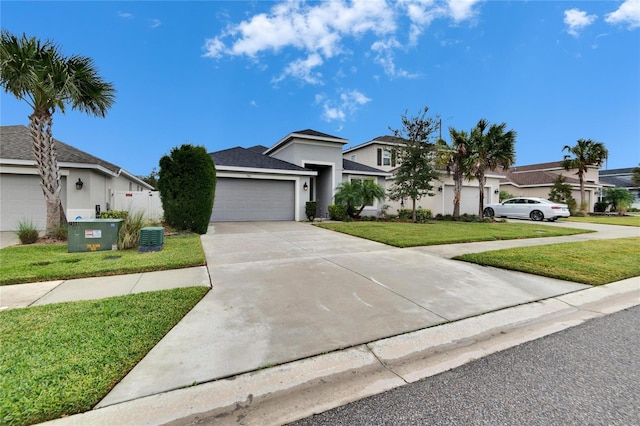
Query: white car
[[528, 207]]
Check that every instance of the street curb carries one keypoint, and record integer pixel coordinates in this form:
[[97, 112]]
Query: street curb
[[298, 389]]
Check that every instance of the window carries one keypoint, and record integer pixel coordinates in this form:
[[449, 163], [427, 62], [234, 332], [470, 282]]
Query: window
[[353, 157], [386, 157]]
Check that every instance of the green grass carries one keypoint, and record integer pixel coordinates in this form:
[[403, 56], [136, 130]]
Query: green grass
[[64, 358], [433, 233], [591, 262], [606, 220], [33, 263]]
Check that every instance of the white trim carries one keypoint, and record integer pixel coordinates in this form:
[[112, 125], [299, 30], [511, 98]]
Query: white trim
[[266, 171], [282, 143]]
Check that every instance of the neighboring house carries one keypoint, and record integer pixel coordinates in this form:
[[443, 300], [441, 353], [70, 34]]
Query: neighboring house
[[21, 196], [536, 180], [378, 153], [261, 183], [621, 178]]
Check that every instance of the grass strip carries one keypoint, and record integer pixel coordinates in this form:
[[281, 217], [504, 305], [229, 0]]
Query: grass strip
[[34, 263], [593, 262], [62, 359], [433, 233], [606, 220]]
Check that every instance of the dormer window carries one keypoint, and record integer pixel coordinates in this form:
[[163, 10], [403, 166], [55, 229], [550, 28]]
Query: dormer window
[[386, 157]]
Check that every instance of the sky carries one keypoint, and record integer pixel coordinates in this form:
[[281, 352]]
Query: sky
[[222, 74]]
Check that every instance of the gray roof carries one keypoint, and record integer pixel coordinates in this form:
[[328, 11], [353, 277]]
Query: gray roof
[[349, 165], [618, 182], [310, 132], [260, 149], [610, 172], [243, 157], [17, 145]]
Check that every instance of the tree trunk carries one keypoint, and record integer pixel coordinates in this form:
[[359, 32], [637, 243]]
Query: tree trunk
[[413, 200], [583, 206], [481, 182], [44, 151], [457, 189]]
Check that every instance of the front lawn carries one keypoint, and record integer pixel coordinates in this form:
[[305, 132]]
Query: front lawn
[[442, 232], [33, 263], [62, 359], [593, 262], [606, 220]]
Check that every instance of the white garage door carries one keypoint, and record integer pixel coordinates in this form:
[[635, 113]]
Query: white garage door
[[21, 199], [240, 200], [468, 199]]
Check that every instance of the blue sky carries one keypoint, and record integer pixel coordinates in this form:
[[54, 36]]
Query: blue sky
[[236, 73]]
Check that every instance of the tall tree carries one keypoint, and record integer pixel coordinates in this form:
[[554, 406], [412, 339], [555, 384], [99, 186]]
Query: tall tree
[[635, 177], [586, 153], [40, 75], [561, 192], [416, 156], [452, 158], [490, 147]]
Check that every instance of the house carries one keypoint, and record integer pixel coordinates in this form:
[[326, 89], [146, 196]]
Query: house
[[536, 180], [274, 183], [621, 178], [88, 183], [378, 152]]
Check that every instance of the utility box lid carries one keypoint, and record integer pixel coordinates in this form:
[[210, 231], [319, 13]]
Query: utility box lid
[[93, 235], [152, 236]]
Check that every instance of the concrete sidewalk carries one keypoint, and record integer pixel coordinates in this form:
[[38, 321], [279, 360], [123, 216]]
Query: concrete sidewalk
[[292, 297]]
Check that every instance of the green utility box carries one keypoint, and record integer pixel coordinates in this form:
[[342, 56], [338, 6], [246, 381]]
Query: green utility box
[[93, 235], [151, 239]]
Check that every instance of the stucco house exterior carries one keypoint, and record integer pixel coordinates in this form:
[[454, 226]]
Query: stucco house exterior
[[536, 180], [21, 196], [621, 178], [274, 183], [378, 152]]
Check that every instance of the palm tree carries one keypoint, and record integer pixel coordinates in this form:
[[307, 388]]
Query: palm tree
[[452, 157], [38, 74], [586, 153], [490, 147], [355, 195]]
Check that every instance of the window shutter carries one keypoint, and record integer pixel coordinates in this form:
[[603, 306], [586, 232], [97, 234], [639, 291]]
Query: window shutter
[[393, 158], [379, 156]]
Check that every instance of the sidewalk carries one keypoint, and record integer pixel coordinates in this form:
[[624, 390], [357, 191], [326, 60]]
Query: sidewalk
[[254, 318]]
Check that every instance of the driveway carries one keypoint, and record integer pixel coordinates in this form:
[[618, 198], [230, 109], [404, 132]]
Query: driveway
[[284, 291]]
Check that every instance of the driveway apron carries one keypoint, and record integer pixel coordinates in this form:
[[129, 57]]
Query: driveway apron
[[283, 291]]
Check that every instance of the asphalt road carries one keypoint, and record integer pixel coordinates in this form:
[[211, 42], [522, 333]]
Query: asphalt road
[[589, 374]]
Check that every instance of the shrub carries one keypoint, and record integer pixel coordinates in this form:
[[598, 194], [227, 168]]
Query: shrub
[[26, 232], [114, 214], [600, 206], [187, 184], [60, 232], [129, 235], [337, 212], [579, 213], [310, 209], [422, 215]]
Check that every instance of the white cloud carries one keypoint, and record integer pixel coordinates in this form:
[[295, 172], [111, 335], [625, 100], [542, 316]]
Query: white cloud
[[253, 104], [318, 31], [155, 23], [347, 104], [125, 15], [302, 69], [577, 20], [627, 14]]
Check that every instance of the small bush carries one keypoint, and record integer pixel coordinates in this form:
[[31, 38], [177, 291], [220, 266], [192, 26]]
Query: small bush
[[27, 232], [337, 212], [600, 206], [422, 215], [60, 232], [114, 214], [310, 209], [129, 236], [579, 213]]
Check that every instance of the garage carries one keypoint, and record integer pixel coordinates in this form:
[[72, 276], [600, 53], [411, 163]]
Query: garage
[[27, 201], [253, 200], [468, 199]]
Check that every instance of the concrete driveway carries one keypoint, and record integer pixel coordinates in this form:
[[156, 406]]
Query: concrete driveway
[[284, 291]]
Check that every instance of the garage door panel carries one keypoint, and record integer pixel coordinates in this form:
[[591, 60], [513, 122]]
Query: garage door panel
[[22, 199], [468, 199], [253, 200]]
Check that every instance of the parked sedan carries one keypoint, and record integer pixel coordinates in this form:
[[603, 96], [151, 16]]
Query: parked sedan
[[528, 207]]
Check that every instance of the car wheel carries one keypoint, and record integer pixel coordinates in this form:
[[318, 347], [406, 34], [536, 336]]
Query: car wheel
[[488, 212], [536, 215]]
